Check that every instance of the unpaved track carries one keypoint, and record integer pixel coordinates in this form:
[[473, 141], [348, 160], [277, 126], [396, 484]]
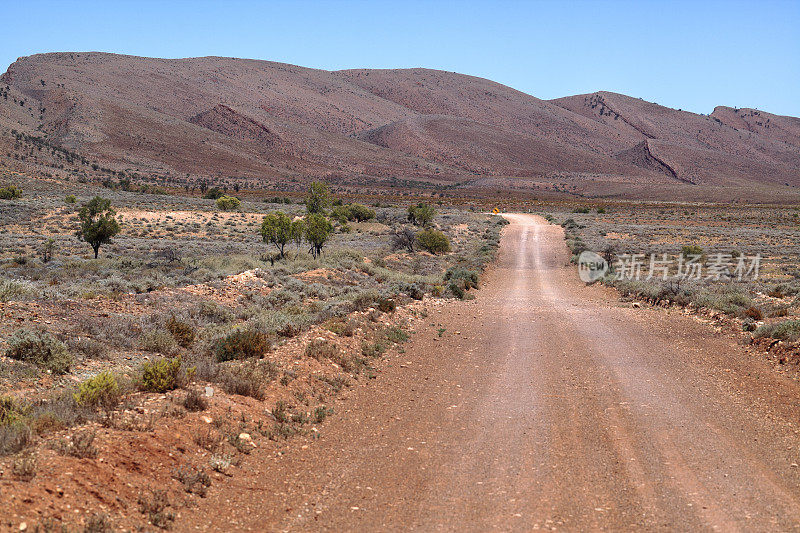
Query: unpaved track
[[545, 404]]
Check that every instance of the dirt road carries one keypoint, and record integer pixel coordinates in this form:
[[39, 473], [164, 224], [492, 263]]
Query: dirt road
[[543, 405]]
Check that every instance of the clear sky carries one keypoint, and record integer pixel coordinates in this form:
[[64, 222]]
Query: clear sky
[[692, 55]]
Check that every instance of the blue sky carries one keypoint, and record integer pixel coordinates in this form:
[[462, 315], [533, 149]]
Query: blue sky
[[689, 55]]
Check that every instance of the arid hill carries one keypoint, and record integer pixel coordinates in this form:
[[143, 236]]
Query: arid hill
[[277, 125]]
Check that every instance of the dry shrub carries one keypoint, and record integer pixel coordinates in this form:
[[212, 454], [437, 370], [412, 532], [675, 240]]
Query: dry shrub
[[321, 349], [195, 401], [162, 375], [242, 344], [183, 332], [40, 348]]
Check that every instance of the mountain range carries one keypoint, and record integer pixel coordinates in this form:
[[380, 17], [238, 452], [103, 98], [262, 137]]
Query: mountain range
[[278, 125]]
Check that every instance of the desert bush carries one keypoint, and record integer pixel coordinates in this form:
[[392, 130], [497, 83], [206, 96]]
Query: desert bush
[[80, 445], [11, 289], [320, 413], [15, 434], [321, 349], [214, 312], [731, 301], [100, 391], [467, 279], [364, 299], [242, 344], [394, 334], [404, 239], [753, 313], [70, 199], [228, 203], [691, 250], [194, 480], [162, 375], [14, 437], [456, 290], [182, 332], [98, 523], [788, 330], [372, 349], [10, 192], [340, 326], [433, 241], [340, 214], [23, 467], [214, 193], [40, 348], [360, 213], [57, 412], [154, 506], [247, 379], [356, 212], [386, 305], [158, 341], [195, 401]]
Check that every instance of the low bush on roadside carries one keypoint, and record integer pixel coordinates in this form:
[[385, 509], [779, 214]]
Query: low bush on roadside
[[162, 375], [248, 379], [372, 349], [40, 348], [242, 344], [788, 330], [466, 279], [99, 391]]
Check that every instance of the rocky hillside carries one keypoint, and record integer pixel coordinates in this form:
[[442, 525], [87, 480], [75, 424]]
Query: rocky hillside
[[274, 124]]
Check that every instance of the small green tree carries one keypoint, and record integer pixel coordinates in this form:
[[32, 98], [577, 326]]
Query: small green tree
[[277, 228], [317, 231], [298, 232], [98, 223], [421, 214], [319, 197], [228, 203]]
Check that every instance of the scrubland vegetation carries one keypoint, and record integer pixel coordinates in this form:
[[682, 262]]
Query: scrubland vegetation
[[768, 305], [187, 293]]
